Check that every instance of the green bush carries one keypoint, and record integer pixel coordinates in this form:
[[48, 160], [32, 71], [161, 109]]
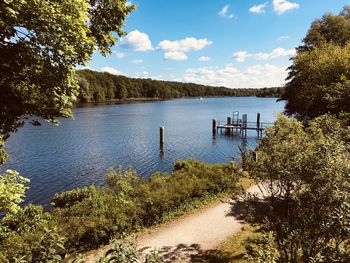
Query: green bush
[[125, 251], [88, 217], [29, 236]]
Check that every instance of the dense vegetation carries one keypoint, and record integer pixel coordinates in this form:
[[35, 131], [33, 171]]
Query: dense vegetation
[[303, 168], [103, 86], [304, 173], [41, 42], [319, 79], [88, 217], [270, 92]]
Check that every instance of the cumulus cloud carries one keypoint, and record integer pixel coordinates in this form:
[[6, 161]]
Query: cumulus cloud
[[258, 9], [185, 45], [175, 55], [176, 50], [120, 55], [137, 41], [224, 12], [111, 70], [241, 56], [277, 52], [137, 61], [282, 6], [204, 58], [256, 76]]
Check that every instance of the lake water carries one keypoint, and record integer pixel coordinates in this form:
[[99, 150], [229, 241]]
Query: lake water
[[81, 151]]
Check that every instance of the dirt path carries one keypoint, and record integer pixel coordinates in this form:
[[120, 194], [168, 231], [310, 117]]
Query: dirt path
[[178, 241], [194, 234]]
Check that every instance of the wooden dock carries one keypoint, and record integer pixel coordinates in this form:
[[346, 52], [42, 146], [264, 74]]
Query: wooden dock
[[235, 125]]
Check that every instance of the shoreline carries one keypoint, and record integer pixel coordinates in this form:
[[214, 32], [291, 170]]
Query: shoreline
[[139, 100]]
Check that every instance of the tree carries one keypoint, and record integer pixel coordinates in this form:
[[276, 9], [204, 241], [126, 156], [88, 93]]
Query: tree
[[330, 28], [319, 82], [305, 175], [41, 42], [319, 79]]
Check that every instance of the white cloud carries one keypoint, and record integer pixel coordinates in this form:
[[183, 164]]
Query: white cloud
[[144, 73], [283, 38], [111, 70], [137, 61], [120, 55], [277, 52], [137, 41], [175, 55], [258, 9], [184, 45], [176, 50], [257, 76], [204, 58], [241, 56], [224, 12], [282, 6]]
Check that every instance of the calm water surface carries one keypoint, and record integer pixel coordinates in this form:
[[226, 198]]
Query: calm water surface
[[81, 151]]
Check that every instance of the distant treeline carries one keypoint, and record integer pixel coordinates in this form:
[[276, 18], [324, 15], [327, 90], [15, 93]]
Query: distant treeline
[[270, 92], [103, 86]]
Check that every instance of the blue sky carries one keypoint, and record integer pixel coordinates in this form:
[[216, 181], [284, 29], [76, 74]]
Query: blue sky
[[232, 43]]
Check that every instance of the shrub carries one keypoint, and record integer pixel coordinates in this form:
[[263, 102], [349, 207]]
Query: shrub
[[28, 236], [91, 216]]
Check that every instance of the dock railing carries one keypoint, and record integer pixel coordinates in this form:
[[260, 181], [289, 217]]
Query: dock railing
[[235, 125]]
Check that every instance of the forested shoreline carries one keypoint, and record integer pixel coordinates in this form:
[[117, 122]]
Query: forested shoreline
[[102, 87]]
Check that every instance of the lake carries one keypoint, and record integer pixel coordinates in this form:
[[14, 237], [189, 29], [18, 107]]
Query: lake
[[80, 152]]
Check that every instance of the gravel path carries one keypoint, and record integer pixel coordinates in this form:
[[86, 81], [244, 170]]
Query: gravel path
[[203, 230]]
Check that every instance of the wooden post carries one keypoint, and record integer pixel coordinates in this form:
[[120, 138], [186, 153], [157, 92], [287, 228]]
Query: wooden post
[[244, 125], [214, 127], [228, 130], [258, 123], [161, 135]]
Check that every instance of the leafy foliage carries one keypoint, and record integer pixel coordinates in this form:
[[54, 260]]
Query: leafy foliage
[[89, 217], [319, 80], [125, 251], [41, 42], [329, 29], [262, 249], [12, 189], [304, 172], [28, 236]]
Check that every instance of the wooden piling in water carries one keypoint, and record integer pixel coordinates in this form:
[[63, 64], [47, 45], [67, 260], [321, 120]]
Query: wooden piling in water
[[244, 125], [228, 130], [214, 127], [258, 123], [161, 135]]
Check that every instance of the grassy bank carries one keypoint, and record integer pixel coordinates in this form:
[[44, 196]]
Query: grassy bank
[[86, 218]]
